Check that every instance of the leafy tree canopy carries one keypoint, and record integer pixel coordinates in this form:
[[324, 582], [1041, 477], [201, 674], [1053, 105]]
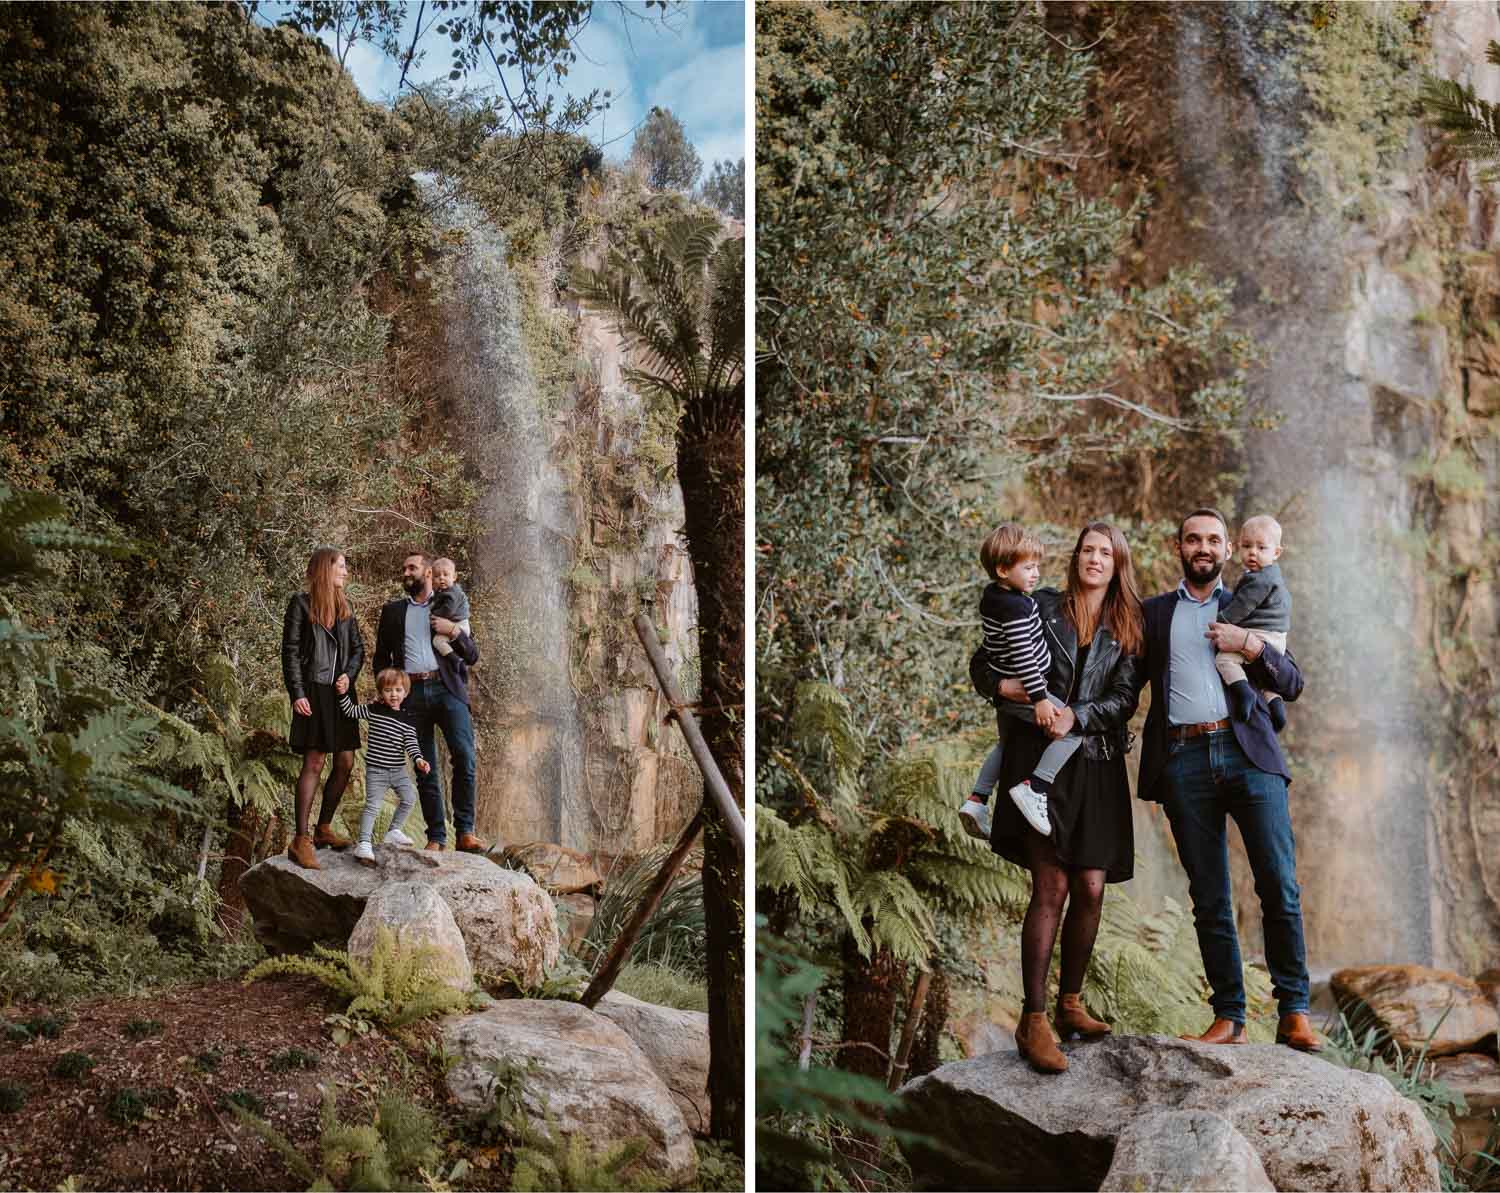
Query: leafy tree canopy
[[724, 188], [663, 151]]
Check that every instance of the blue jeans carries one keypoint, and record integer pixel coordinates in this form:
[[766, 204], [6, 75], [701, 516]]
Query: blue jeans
[[1206, 778], [432, 706]]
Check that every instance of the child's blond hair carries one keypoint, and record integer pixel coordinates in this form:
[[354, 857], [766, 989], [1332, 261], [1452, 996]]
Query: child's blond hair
[[392, 677], [1007, 545]]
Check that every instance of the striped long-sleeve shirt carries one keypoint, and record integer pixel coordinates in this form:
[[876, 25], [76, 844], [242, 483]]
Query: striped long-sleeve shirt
[[392, 739], [1013, 644]]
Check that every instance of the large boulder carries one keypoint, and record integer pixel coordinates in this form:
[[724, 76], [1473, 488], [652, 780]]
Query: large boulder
[[1413, 1002], [416, 916], [1312, 1124], [1489, 983], [676, 1044], [589, 1077], [508, 922], [560, 870], [1188, 1150], [1477, 1077]]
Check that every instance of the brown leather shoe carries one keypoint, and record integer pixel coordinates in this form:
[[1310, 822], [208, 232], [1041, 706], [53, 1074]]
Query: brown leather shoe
[[469, 843], [1074, 1022], [1221, 1031], [302, 852], [1037, 1047], [1296, 1032], [433, 847], [325, 838]]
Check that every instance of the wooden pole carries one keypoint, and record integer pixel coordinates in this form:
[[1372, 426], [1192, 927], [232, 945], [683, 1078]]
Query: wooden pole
[[713, 779], [809, 1009], [614, 960], [909, 1029]]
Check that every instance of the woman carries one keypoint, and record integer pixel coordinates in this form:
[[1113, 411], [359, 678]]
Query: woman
[[1095, 635], [320, 641]]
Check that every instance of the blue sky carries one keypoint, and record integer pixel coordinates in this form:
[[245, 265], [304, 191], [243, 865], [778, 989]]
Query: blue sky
[[692, 61]]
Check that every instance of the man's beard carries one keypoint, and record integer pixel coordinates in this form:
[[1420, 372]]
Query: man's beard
[[412, 585], [1201, 572]]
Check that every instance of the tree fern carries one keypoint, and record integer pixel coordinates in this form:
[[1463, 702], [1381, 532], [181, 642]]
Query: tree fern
[[1472, 123]]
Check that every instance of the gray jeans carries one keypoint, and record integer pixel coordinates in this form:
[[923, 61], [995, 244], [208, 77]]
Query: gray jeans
[[1053, 758], [379, 780]]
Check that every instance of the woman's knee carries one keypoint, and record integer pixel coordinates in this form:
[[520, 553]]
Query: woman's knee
[[1087, 887], [312, 762], [343, 764]]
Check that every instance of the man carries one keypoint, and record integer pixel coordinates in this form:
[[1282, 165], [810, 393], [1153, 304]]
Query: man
[[439, 697], [1201, 765]]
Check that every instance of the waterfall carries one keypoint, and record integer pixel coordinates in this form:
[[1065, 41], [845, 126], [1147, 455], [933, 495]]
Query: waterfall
[[1349, 368], [530, 785]]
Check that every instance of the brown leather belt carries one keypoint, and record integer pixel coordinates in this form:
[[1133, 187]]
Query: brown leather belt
[[415, 675], [1183, 732]]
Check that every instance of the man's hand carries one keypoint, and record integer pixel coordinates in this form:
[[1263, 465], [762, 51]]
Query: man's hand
[[1062, 723], [423, 766], [1013, 689], [342, 685], [1045, 712], [1232, 639], [302, 706], [441, 625]]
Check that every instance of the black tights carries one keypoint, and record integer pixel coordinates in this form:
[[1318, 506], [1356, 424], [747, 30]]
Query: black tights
[[333, 790], [1052, 885]]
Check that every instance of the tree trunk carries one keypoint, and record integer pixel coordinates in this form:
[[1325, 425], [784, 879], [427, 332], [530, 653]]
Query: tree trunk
[[246, 826], [711, 470], [871, 990], [924, 1056]]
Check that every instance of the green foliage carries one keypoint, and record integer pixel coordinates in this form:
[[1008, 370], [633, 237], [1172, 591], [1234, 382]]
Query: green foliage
[[661, 984], [293, 1059], [131, 1105], [398, 985], [674, 936], [1358, 64], [245, 1099], [13, 1096], [548, 1162], [724, 188], [141, 1029], [48, 1027], [73, 1065], [391, 1152], [720, 1170], [663, 152], [209, 1060], [791, 1101], [678, 297], [1472, 123]]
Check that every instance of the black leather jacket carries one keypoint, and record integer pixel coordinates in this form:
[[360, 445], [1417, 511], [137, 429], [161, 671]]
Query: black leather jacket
[[299, 648], [1103, 698]]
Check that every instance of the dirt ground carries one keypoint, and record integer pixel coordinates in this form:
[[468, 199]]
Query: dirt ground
[[151, 1113]]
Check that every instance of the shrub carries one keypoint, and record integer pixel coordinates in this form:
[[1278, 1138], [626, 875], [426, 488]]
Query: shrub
[[294, 1058], [140, 1029], [73, 1065], [13, 1096]]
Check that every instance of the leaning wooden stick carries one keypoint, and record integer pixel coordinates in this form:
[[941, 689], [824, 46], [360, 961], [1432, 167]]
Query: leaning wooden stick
[[713, 778], [909, 1031], [614, 960]]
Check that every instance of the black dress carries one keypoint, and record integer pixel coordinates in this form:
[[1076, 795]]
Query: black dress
[[1089, 804]]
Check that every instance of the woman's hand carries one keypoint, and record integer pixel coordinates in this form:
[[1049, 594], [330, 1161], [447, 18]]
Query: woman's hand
[[1064, 721], [302, 706], [441, 625], [342, 685], [1013, 689]]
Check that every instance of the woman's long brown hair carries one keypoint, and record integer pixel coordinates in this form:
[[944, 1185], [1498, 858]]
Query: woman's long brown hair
[[1121, 611], [325, 603]]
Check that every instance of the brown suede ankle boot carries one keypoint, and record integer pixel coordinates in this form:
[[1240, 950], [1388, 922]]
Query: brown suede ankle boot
[[326, 837], [1037, 1047], [1074, 1022], [302, 852]]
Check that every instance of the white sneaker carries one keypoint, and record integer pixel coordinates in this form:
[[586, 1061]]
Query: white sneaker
[[395, 837], [975, 817], [364, 854], [1033, 807]]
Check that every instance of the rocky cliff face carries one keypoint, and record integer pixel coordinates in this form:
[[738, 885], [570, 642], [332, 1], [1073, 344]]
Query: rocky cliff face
[[1371, 286], [582, 512]]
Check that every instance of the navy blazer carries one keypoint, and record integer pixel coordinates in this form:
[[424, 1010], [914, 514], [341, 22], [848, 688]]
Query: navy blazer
[[390, 650], [1273, 670]]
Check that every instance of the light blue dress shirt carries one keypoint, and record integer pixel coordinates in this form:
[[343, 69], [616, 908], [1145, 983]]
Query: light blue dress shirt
[[1195, 693], [419, 652]]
